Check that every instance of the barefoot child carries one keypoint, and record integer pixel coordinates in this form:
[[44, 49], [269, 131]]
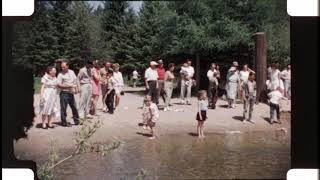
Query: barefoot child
[[250, 91], [202, 112], [150, 115], [275, 97]]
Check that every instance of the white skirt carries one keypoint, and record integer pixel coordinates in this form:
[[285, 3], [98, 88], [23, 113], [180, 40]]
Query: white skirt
[[48, 103], [232, 89]]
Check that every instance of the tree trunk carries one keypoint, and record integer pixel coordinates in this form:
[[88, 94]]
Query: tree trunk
[[260, 64], [197, 72]]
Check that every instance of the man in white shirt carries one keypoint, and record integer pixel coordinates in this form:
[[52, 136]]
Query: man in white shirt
[[85, 78], [67, 82], [274, 99], [187, 72], [212, 75], [135, 76], [286, 77], [151, 77]]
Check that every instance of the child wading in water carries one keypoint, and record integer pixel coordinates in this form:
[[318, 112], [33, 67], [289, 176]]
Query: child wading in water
[[150, 115], [202, 112], [250, 91], [275, 97]]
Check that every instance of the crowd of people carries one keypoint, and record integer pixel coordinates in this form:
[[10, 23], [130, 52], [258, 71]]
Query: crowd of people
[[107, 81], [239, 85], [90, 82]]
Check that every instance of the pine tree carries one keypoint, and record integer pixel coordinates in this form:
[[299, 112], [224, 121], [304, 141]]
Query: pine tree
[[80, 33], [34, 45], [62, 18]]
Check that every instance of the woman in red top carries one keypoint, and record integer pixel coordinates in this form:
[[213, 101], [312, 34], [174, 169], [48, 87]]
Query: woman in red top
[[161, 71]]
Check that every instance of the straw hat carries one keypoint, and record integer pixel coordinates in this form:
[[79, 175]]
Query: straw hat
[[153, 63]]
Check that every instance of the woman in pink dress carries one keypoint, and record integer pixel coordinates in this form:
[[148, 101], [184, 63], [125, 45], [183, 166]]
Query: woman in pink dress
[[95, 87]]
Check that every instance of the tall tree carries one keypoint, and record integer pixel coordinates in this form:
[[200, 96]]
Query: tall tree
[[80, 32], [62, 18], [33, 47]]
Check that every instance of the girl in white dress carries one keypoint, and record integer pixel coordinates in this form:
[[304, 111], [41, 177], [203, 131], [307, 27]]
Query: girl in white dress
[[48, 97]]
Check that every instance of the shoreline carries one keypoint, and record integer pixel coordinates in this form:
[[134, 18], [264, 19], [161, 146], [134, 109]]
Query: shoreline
[[123, 125]]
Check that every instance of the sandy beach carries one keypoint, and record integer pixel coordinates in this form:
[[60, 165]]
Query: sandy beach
[[123, 125]]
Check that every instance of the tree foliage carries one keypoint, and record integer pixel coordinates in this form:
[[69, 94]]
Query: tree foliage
[[220, 29]]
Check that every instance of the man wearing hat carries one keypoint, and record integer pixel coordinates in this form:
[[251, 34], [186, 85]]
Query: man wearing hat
[[151, 77], [161, 71]]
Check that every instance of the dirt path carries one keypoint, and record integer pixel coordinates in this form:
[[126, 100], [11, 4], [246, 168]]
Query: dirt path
[[123, 124]]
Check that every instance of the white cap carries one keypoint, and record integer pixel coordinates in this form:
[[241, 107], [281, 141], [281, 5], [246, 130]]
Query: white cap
[[153, 63], [232, 68], [235, 63]]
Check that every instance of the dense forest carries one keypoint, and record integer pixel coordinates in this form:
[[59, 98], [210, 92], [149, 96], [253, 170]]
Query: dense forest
[[213, 30]]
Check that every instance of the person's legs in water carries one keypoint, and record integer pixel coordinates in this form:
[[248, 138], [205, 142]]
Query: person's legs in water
[[201, 129], [198, 129], [152, 128]]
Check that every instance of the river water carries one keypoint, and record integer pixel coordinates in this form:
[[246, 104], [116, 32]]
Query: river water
[[252, 155]]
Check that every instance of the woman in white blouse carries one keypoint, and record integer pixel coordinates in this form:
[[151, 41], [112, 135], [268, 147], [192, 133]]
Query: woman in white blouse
[[117, 75], [48, 97]]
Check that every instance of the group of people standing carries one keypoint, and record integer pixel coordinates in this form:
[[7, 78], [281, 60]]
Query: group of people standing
[[90, 82], [93, 80], [159, 82], [239, 85]]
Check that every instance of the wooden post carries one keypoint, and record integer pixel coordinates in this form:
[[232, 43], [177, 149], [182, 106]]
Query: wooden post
[[260, 63], [197, 72]]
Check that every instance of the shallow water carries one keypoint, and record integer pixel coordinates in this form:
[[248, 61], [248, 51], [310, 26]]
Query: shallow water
[[254, 155]]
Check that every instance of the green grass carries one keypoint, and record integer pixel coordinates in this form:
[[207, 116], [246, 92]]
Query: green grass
[[37, 84]]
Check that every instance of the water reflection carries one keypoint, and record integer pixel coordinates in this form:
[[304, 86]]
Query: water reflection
[[258, 155]]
